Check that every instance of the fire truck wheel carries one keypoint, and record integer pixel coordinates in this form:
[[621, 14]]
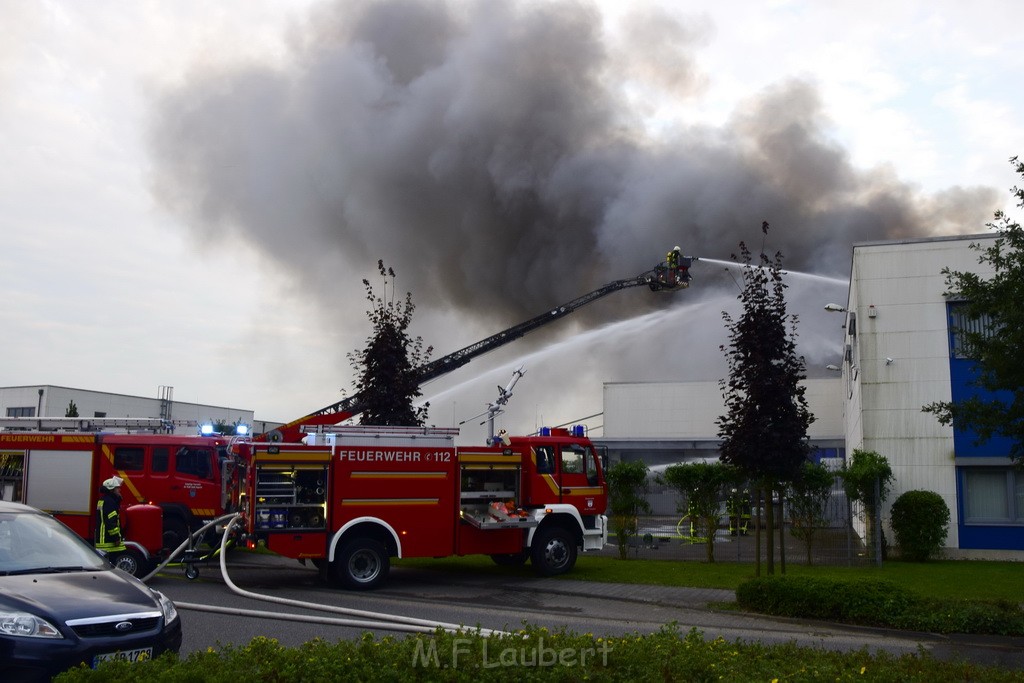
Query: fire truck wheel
[[131, 561], [511, 559], [554, 551], [362, 564], [175, 532]]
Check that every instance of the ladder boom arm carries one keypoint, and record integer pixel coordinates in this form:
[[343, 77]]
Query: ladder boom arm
[[353, 405]]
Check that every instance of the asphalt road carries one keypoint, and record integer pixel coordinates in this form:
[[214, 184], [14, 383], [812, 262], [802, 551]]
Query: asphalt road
[[215, 615]]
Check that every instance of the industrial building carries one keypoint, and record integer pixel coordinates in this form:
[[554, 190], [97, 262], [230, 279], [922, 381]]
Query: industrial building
[[48, 401], [663, 423]]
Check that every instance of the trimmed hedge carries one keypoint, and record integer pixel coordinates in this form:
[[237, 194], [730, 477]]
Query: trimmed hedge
[[534, 654], [877, 603]]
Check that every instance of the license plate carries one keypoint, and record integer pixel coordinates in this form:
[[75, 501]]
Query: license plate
[[138, 655]]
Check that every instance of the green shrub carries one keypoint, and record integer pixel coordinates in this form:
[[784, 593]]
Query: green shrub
[[878, 603], [865, 601], [993, 617], [534, 654], [920, 520]]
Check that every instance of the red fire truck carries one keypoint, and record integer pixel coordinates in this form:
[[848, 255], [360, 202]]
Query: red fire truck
[[182, 480], [351, 499]]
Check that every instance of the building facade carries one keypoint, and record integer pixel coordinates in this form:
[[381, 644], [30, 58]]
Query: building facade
[[901, 353]]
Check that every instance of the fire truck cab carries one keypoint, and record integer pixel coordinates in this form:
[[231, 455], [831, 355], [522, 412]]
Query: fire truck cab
[[351, 499]]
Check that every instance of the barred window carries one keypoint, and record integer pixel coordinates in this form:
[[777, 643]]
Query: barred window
[[961, 324]]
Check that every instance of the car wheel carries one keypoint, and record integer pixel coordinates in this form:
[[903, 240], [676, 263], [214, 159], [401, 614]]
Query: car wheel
[[362, 564]]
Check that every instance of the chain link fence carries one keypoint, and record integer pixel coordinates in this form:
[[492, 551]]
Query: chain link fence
[[842, 532]]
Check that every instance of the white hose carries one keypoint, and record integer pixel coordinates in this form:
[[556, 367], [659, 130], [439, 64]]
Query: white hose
[[373, 620], [285, 616], [390, 620], [187, 542]]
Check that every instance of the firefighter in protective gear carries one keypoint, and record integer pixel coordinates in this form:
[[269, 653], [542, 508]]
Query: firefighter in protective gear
[[108, 517], [672, 258]]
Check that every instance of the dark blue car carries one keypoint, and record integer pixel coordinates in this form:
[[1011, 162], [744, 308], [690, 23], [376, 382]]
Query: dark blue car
[[62, 604]]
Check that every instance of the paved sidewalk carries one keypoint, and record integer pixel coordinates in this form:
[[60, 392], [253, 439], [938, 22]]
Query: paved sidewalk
[[668, 596]]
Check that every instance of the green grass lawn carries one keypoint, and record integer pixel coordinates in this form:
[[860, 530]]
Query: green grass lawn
[[939, 579]]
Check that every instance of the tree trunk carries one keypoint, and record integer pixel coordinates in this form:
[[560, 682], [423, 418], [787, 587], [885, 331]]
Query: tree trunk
[[782, 529], [757, 537], [769, 532], [709, 544]]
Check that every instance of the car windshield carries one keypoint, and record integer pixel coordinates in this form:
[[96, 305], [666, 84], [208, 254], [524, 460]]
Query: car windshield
[[32, 542]]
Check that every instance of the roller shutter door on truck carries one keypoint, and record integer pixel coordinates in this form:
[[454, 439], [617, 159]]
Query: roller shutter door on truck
[[59, 480]]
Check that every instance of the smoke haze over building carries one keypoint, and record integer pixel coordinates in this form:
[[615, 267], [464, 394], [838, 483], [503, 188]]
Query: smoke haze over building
[[498, 156], [503, 157]]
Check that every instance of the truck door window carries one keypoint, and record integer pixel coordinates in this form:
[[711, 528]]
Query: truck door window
[[161, 455], [591, 467], [545, 459], [193, 461], [129, 458], [572, 460]]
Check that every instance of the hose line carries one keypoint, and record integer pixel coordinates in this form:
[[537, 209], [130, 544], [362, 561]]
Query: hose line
[[366, 619]]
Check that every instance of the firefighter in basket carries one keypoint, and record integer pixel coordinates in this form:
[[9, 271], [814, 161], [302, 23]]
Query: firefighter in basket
[[675, 272], [108, 518]]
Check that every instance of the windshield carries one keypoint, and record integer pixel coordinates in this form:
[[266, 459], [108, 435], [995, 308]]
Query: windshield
[[32, 542]]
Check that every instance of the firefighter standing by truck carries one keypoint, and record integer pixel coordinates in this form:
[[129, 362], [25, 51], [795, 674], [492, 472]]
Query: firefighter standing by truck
[[108, 518]]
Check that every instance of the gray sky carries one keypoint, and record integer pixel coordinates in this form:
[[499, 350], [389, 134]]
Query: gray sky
[[192, 192]]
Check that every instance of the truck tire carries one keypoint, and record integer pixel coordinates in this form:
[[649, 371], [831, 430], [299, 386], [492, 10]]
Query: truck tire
[[553, 551], [175, 532], [511, 559], [131, 561], [362, 564]]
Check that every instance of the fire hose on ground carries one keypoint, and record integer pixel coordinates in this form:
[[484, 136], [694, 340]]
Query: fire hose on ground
[[370, 620]]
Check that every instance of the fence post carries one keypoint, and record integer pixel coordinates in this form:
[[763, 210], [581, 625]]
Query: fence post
[[878, 521]]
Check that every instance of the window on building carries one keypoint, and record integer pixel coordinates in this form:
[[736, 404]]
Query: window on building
[[131, 458], [29, 411], [993, 495], [100, 413], [961, 324]]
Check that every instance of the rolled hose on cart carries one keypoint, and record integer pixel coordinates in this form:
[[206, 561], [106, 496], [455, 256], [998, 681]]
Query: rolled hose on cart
[[373, 620]]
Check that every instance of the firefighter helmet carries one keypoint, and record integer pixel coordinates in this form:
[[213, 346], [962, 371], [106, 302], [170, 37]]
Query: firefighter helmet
[[113, 483]]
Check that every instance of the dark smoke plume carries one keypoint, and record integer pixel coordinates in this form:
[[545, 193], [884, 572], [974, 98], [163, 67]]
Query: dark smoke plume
[[491, 152]]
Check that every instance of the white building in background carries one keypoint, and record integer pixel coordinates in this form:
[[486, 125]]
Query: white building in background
[[900, 353], [662, 423], [47, 400]]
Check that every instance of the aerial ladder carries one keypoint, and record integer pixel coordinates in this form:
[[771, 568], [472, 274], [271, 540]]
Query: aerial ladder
[[663, 277]]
